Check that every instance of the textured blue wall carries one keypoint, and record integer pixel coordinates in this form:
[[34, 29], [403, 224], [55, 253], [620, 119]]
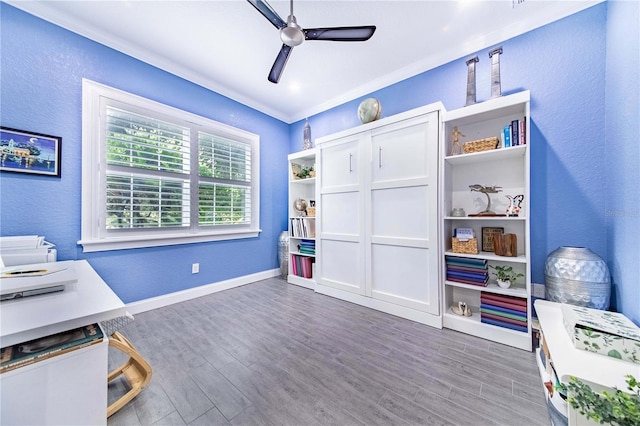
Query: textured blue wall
[[42, 69], [584, 191], [623, 154]]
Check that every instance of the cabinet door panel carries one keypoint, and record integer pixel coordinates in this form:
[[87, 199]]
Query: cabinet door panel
[[401, 212], [342, 265], [340, 163], [405, 276], [399, 152], [340, 213]]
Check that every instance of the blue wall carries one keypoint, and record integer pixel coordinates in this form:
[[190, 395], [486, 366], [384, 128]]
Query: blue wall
[[42, 69], [577, 163], [584, 162], [623, 154]]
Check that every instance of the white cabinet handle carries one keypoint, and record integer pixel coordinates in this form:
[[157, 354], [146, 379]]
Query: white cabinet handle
[[350, 168], [380, 157]]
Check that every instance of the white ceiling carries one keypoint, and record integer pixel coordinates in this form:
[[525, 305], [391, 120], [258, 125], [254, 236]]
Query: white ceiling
[[228, 47]]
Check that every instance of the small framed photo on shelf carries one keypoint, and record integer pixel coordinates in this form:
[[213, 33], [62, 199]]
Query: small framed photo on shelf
[[487, 237], [29, 152]]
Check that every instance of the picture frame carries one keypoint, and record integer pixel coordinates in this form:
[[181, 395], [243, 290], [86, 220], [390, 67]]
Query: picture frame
[[487, 237], [28, 152]]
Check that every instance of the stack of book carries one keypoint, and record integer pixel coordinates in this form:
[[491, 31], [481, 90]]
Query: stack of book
[[307, 247], [302, 266], [467, 270], [503, 311]]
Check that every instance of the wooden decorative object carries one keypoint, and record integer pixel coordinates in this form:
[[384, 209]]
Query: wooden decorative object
[[505, 245], [466, 247]]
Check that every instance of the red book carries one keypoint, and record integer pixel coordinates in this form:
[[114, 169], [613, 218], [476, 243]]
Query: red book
[[465, 269], [506, 299]]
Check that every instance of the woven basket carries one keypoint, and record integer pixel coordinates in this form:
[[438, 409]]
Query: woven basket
[[485, 144], [466, 247]]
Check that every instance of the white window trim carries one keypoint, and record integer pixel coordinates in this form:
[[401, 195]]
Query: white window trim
[[93, 237]]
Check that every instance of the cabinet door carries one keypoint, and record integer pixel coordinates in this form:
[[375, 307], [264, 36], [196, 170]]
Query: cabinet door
[[340, 163], [402, 200], [340, 227]]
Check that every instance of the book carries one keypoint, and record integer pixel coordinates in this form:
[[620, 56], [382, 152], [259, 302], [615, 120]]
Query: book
[[469, 275], [21, 354], [503, 324], [466, 268], [515, 133], [507, 136], [467, 281], [522, 323], [503, 305], [502, 298], [523, 132], [496, 310], [465, 261]]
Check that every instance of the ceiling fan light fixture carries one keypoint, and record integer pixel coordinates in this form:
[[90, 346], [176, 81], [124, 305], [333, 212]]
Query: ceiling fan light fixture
[[292, 35]]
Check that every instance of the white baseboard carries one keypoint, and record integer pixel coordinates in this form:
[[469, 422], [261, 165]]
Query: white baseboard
[[192, 293]]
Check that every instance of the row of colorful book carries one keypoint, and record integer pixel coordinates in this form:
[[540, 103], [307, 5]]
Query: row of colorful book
[[467, 270], [503, 311], [514, 134], [307, 247], [302, 266]]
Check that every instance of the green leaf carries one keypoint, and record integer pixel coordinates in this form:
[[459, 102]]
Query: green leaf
[[614, 354]]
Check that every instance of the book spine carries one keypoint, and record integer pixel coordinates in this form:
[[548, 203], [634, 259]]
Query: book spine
[[507, 299], [505, 319], [515, 134], [468, 275], [466, 268], [522, 132], [504, 305], [497, 310], [466, 261], [464, 281], [507, 136], [503, 324]]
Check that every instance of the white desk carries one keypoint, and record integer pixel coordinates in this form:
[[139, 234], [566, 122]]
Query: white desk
[[599, 371], [66, 389]]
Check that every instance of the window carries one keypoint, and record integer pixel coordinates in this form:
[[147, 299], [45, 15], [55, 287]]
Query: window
[[155, 175]]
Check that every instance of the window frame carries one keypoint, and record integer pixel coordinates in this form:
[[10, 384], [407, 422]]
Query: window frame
[[94, 235]]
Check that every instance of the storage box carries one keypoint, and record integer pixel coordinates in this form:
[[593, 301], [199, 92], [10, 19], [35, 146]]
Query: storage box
[[467, 247], [606, 333]]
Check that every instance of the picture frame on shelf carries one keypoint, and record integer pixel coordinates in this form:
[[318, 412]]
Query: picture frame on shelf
[[487, 237], [28, 152]]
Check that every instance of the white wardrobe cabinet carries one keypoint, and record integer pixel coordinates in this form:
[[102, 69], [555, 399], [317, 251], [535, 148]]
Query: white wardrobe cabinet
[[378, 225]]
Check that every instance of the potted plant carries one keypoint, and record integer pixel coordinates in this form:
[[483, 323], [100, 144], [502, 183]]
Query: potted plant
[[505, 275], [618, 408]]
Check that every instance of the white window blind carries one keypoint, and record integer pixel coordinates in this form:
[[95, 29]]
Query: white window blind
[[155, 175]]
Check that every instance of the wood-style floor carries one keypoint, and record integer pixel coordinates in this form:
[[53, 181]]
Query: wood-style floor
[[270, 353]]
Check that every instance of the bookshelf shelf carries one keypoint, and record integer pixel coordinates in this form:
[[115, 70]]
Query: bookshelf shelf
[[506, 168]]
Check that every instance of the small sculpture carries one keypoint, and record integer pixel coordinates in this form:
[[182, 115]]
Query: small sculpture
[[496, 90], [471, 81], [306, 135], [486, 190], [514, 204], [455, 142]]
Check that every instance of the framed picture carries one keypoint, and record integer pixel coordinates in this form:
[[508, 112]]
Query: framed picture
[[487, 237], [29, 152]]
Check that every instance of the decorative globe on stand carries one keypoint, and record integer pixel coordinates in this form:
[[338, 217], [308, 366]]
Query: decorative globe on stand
[[301, 206], [577, 276], [369, 110]]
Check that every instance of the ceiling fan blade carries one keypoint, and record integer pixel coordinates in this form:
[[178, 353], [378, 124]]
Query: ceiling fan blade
[[278, 65], [267, 11], [340, 33]]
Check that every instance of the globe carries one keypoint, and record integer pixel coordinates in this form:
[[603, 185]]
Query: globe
[[369, 110], [300, 205]]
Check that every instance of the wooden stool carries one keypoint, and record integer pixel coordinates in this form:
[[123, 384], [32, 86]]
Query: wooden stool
[[136, 371]]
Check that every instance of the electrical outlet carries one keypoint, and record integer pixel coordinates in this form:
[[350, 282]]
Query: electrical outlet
[[538, 290], [195, 268]]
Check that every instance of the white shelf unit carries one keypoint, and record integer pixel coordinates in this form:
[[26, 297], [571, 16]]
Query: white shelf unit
[[507, 168], [305, 189]]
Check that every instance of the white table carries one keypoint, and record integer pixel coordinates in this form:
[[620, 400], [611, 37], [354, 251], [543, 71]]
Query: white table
[[66, 389]]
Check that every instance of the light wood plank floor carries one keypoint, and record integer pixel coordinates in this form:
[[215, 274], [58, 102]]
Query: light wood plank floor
[[270, 353]]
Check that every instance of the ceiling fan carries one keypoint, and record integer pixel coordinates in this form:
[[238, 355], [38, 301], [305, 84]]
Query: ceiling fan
[[293, 35]]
